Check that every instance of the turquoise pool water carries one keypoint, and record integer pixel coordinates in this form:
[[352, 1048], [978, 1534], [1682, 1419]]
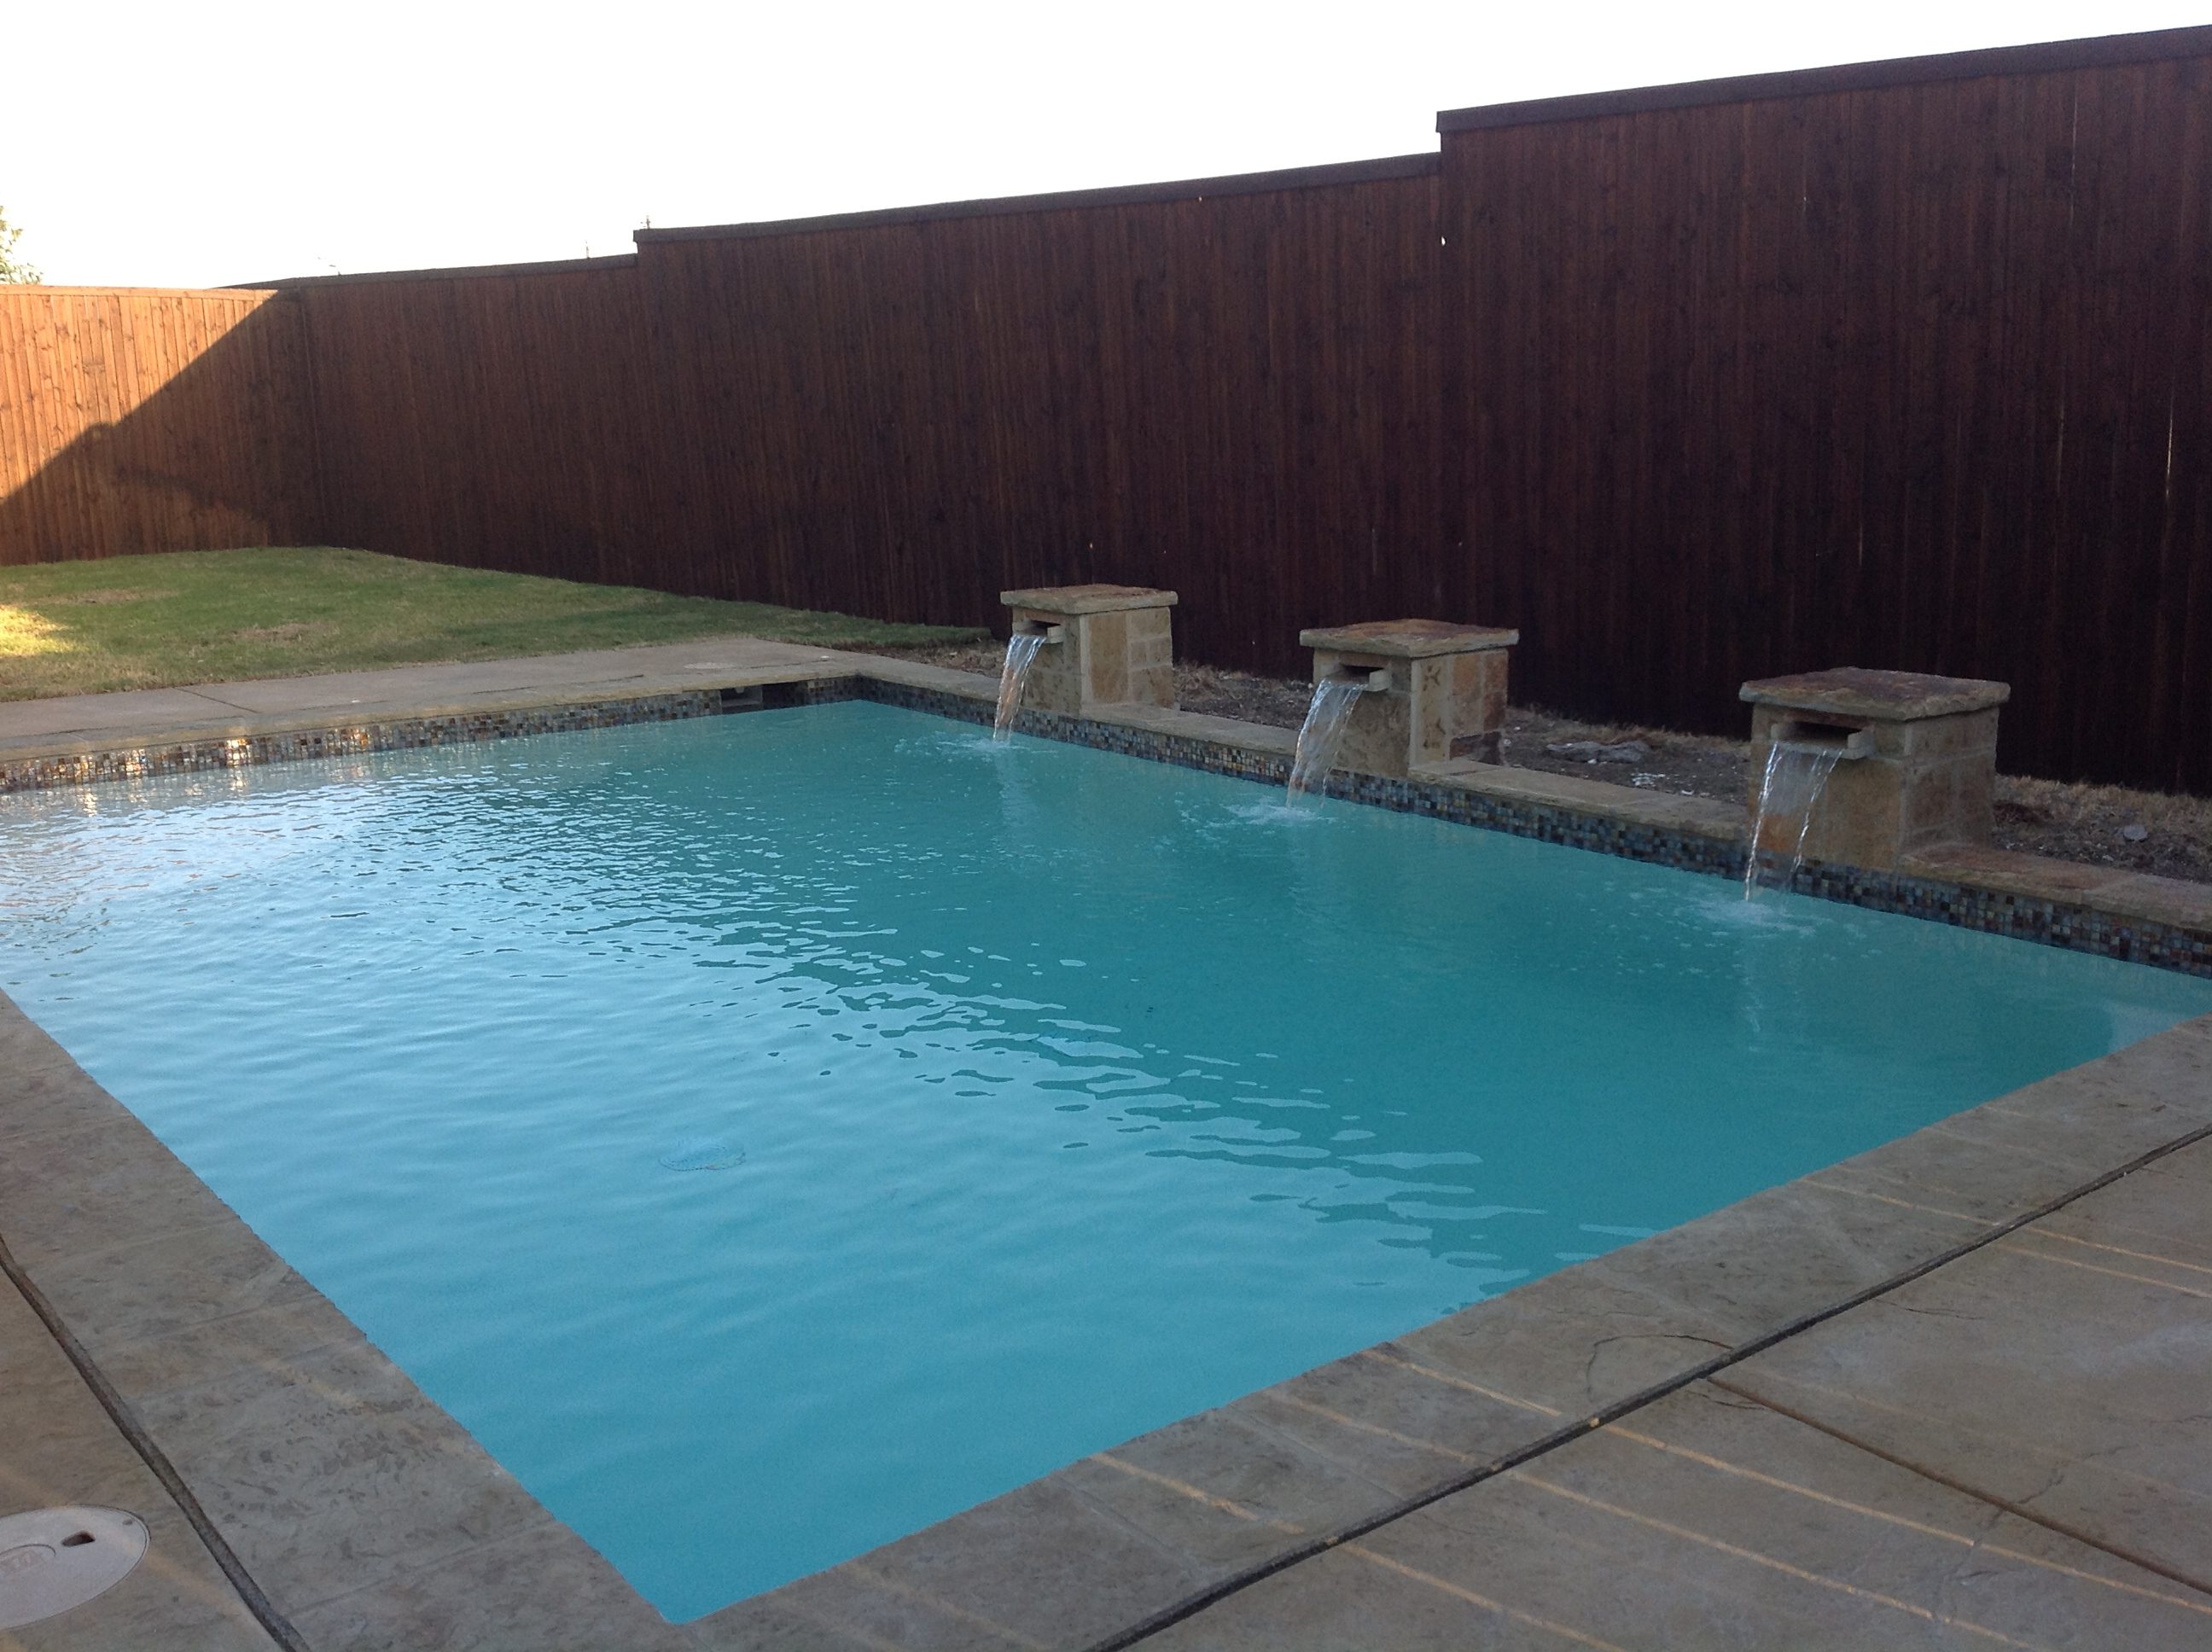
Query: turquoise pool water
[[818, 1121]]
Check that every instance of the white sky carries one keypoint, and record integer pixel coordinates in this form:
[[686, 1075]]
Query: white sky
[[183, 144]]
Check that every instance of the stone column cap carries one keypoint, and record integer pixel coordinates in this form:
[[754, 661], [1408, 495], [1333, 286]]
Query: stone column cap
[[1408, 639], [1088, 598], [1880, 697]]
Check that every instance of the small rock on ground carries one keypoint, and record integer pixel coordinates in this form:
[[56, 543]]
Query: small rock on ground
[[1599, 751]]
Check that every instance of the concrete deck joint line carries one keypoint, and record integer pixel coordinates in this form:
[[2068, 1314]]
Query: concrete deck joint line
[[149, 1451], [1705, 1371], [2067, 1529], [1938, 1532], [1739, 1552], [1444, 1585]]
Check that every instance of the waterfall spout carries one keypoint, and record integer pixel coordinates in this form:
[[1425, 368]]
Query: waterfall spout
[[1021, 654], [1788, 795], [1322, 732]]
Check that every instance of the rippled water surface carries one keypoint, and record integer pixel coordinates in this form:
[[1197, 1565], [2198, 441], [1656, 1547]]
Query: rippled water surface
[[767, 1134]]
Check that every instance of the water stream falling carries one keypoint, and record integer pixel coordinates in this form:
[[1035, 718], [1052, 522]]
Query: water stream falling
[[1021, 654], [1322, 732], [1788, 792]]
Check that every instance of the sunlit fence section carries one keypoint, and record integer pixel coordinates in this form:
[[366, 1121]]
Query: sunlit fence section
[[135, 420]]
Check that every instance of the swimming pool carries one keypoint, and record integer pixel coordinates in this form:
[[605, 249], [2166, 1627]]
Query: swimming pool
[[820, 1120]]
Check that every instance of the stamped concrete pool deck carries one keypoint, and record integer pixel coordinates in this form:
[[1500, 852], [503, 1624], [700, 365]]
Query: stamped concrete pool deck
[[1954, 1391]]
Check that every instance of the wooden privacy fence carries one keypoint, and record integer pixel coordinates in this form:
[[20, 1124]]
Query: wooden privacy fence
[[1900, 366], [1227, 386], [1904, 365], [137, 420]]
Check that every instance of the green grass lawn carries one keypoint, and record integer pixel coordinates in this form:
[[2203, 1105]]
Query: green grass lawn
[[211, 616]]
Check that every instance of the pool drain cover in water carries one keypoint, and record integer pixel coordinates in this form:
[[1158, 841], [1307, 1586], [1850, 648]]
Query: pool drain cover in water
[[703, 1153], [51, 1559]]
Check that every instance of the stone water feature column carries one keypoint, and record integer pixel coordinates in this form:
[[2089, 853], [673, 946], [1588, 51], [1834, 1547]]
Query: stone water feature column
[[1105, 644], [1915, 765], [1436, 691]]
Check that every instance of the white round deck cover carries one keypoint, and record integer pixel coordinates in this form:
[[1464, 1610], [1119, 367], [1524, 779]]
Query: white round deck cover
[[51, 1559]]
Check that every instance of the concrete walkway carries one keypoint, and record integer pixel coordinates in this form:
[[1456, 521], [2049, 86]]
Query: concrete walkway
[[157, 716], [1955, 1392], [2013, 1449]]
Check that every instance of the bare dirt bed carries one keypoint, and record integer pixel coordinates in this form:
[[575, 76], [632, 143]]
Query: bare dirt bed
[[2153, 832]]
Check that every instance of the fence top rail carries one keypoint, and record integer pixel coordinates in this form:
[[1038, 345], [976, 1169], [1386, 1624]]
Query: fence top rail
[[40, 289], [1192, 189], [465, 272], [2054, 56]]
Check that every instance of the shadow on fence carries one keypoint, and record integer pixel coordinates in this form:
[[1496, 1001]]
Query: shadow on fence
[[140, 421]]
